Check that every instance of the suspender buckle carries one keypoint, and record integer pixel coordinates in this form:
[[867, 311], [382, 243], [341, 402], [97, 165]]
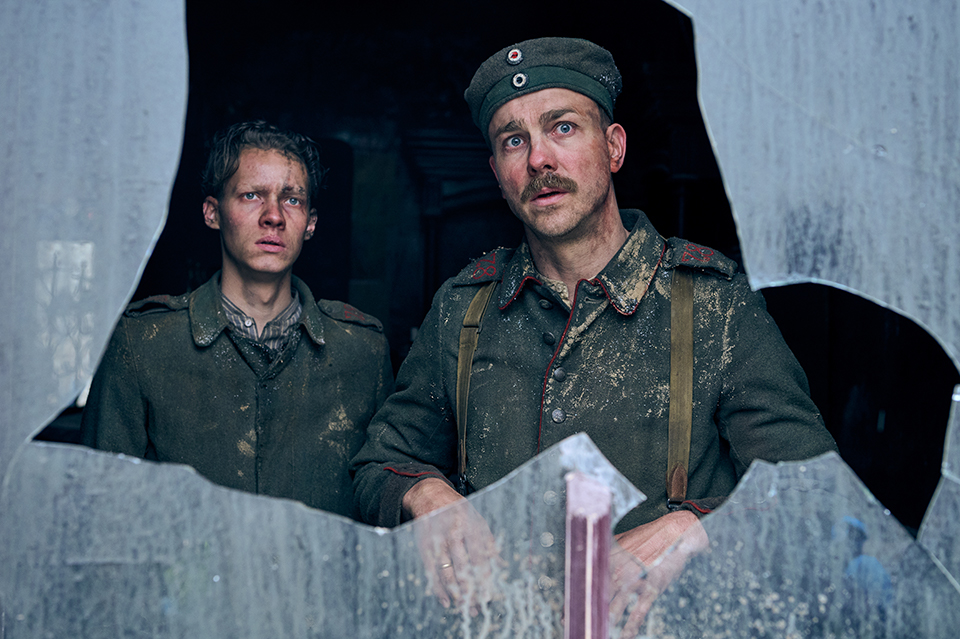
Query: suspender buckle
[[462, 485]]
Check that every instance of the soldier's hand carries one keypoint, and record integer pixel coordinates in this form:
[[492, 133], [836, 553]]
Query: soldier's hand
[[458, 550], [646, 560]]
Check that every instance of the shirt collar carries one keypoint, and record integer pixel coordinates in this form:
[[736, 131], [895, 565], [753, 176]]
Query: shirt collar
[[275, 334], [208, 317], [624, 279]]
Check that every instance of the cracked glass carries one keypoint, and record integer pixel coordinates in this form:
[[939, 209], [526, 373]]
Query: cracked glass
[[834, 129]]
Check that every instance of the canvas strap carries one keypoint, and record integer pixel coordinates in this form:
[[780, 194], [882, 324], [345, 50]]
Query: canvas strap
[[681, 386], [468, 345]]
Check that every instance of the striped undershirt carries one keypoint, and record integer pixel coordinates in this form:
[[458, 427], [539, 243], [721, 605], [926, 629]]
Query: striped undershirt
[[277, 331]]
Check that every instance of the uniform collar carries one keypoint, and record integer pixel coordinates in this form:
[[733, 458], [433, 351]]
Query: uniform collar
[[208, 320], [310, 318], [624, 279]]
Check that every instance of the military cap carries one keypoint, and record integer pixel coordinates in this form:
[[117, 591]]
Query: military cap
[[543, 63]]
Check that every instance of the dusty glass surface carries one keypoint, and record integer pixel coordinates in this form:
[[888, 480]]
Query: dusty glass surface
[[939, 533], [109, 546], [835, 128], [804, 550], [92, 101]]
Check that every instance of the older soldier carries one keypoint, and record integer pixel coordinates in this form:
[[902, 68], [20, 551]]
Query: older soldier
[[248, 379], [577, 335]]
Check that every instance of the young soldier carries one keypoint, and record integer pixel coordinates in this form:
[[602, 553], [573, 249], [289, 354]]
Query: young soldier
[[248, 379]]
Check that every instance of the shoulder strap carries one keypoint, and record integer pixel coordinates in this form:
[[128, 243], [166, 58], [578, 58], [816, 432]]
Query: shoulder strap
[[468, 345], [681, 386]]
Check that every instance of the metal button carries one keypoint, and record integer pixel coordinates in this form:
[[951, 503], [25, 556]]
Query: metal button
[[558, 416], [248, 322], [548, 338], [559, 374], [546, 304]]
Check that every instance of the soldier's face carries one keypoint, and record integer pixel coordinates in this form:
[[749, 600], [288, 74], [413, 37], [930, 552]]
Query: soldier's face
[[263, 215], [554, 160]]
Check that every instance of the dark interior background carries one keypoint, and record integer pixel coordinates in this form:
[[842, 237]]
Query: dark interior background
[[410, 199]]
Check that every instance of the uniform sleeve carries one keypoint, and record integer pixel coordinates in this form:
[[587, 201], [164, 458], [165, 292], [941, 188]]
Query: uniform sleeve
[[413, 436], [115, 416], [765, 410]]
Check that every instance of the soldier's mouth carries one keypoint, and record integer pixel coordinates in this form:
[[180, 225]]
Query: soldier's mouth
[[271, 243], [548, 197]]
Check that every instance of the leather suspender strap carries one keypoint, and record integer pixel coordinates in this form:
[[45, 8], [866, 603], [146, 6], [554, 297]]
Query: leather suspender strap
[[681, 386], [468, 346]]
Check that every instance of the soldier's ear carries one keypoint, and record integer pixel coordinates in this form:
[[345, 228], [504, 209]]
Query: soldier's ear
[[616, 146], [211, 212], [311, 225]]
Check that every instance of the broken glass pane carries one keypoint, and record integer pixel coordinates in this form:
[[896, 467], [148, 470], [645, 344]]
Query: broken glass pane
[[92, 100], [833, 124], [939, 530], [110, 546], [802, 549]]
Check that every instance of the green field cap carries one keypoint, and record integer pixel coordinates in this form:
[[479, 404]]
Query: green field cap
[[543, 63]]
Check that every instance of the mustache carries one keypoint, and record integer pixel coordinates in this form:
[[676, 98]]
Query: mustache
[[549, 181]]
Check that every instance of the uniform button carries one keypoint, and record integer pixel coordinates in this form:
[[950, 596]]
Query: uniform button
[[248, 322], [558, 416], [548, 338], [546, 304], [559, 374]]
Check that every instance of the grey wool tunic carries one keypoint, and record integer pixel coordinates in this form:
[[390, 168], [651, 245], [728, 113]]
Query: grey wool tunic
[[176, 384], [542, 373]]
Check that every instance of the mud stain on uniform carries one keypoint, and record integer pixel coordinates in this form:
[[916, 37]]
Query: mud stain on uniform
[[245, 448], [340, 421], [729, 339], [574, 333], [661, 285], [338, 446]]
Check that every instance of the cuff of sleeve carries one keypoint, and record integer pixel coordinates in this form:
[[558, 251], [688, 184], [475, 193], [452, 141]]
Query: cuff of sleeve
[[401, 478], [701, 507]]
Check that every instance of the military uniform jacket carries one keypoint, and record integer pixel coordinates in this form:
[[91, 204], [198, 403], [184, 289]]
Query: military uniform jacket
[[541, 374], [176, 384]]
